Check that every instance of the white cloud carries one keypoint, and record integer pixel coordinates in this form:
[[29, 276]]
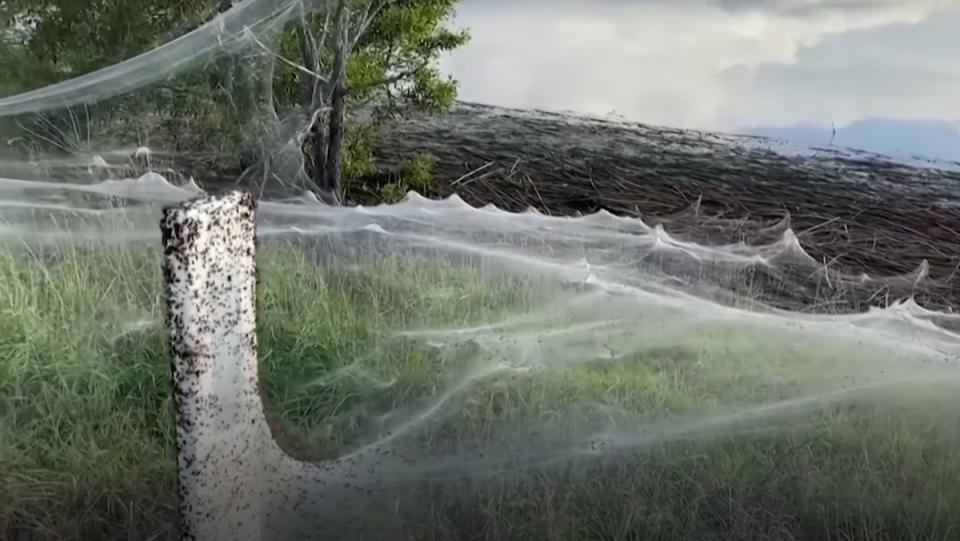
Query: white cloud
[[715, 64]]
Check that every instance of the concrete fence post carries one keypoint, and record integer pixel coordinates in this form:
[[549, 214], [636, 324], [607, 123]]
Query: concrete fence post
[[235, 483], [223, 441]]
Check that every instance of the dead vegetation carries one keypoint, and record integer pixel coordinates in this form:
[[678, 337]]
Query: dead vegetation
[[854, 212]]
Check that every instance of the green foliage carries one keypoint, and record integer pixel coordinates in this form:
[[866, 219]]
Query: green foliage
[[358, 159], [430, 92], [213, 106], [46, 41], [409, 38], [406, 39], [394, 64], [417, 172], [393, 192]]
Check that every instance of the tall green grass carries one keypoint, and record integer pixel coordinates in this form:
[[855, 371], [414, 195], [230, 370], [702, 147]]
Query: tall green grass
[[86, 426]]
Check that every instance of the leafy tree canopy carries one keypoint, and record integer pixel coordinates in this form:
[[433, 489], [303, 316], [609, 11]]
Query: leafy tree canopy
[[389, 51]]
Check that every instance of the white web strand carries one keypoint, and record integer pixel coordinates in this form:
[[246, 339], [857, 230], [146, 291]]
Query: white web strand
[[229, 32]]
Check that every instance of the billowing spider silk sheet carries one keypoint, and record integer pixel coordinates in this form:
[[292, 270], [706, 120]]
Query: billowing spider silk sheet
[[461, 372]]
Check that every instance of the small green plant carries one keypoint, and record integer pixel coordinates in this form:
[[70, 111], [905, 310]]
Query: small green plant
[[393, 192], [415, 173], [418, 173], [358, 159]]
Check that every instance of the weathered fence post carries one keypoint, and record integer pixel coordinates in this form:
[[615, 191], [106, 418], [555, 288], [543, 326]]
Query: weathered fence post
[[224, 445]]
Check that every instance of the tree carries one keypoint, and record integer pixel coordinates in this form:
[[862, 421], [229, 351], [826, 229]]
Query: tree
[[60, 39], [324, 66], [359, 53], [43, 42]]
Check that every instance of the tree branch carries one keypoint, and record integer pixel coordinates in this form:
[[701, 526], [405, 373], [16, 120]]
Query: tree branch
[[311, 58], [326, 30], [390, 80], [370, 15], [292, 64]]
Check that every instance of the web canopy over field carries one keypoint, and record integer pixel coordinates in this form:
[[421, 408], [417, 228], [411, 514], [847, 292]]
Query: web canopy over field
[[458, 371]]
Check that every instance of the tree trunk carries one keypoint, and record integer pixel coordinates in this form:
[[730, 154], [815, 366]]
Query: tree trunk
[[311, 98], [334, 162], [332, 181], [319, 151], [258, 102], [310, 56], [267, 113]]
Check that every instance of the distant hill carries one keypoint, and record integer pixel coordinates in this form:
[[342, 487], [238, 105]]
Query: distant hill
[[936, 140]]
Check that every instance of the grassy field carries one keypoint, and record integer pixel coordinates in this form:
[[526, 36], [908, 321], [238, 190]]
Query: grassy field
[[86, 422]]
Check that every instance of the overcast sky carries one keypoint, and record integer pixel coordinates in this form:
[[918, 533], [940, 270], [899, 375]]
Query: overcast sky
[[728, 65]]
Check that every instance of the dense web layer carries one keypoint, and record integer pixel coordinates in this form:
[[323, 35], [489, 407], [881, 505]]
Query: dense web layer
[[434, 357], [526, 305], [231, 32]]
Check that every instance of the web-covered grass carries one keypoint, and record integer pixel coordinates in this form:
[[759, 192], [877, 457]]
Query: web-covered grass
[[86, 438]]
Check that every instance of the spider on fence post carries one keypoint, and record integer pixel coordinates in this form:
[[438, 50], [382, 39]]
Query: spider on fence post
[[235, 482], [223, 442]]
